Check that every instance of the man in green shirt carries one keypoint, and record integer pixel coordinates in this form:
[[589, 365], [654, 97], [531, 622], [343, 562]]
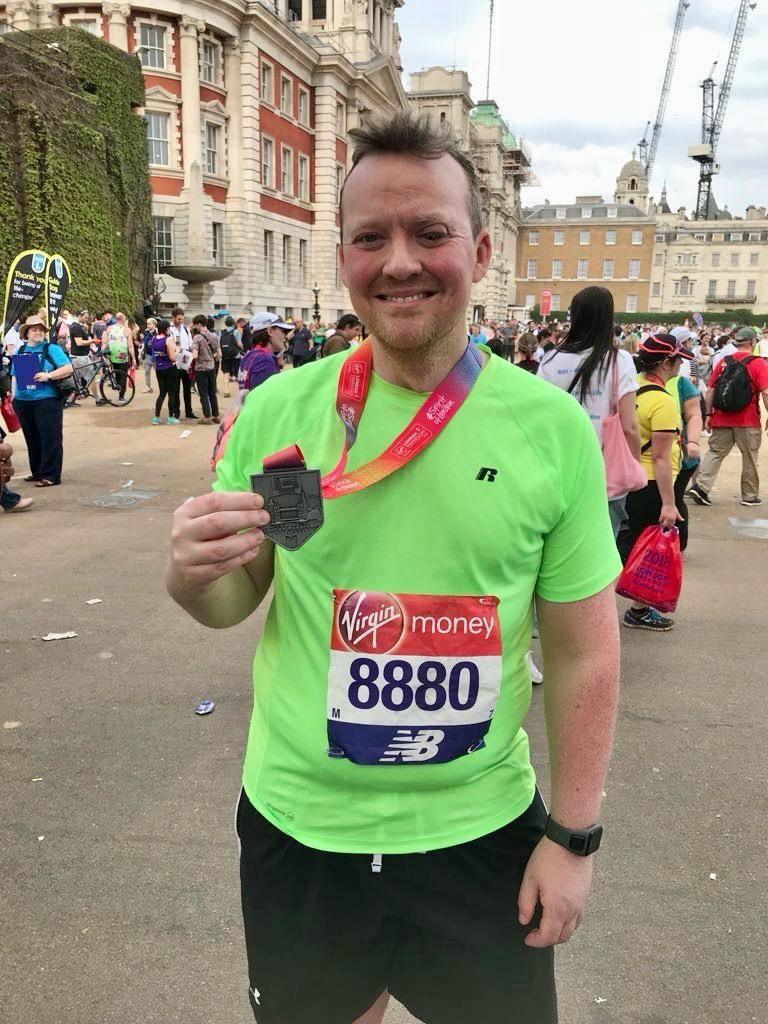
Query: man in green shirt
[[392, 836]]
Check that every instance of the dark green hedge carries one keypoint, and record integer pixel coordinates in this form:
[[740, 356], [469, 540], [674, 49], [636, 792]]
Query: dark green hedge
[[74, 176]]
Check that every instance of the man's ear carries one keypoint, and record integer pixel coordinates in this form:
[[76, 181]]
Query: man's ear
[[483, 254]]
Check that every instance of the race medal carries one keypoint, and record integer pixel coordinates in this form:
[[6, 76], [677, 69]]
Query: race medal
[[413, 678], [294, 502]]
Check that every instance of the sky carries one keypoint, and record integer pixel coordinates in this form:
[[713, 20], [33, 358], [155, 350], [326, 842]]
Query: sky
[[579, 80]]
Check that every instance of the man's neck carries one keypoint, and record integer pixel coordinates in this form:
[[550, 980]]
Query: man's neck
[[419, 370]]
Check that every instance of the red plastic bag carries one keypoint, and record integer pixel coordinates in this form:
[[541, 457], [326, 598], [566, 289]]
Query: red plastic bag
[[653, 574], [9, 415]]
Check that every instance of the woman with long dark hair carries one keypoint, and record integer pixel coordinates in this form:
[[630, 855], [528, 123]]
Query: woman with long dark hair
[[584, 366]]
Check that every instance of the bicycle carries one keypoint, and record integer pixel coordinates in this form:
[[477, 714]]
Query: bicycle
[[109, 385]]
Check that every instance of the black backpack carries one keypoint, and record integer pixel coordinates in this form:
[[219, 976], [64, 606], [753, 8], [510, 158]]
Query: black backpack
[[228, 343], [734, 389]]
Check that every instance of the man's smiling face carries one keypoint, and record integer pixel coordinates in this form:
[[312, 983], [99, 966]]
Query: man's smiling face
[[408, 254]]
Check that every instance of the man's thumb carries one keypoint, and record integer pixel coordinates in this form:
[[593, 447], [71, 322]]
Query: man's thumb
[[526, 901]]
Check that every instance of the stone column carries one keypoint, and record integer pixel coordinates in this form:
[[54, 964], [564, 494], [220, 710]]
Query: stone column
[[118, 24], [233, 83], [47, 16], [189, 61], [325, 233], [19, 15]]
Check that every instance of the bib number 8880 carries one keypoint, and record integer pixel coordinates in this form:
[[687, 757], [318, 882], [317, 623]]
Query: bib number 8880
[[430, 693]]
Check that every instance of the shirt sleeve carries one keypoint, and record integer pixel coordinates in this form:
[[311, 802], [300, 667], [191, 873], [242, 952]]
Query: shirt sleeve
[[58, 355], [687, 389], [760, 369], [627, 374], [580, 557]]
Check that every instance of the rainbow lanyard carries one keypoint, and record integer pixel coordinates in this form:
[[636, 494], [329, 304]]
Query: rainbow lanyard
[[352, 392]]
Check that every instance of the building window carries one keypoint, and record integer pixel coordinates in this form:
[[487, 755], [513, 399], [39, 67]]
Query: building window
[[754, 259], [294, 10], [267, 79], [318, 10], [686, 287], [286, 95], [658, 238], [532, 268], [533, 238], [586, 212], [267, 162], [735, 259], [634, 272], [162, 242], [559, 238], [217, 250], [304, 178], [631, 303], [86, 24], [751, 289], [305, 314], [286, 259], [286, 171], [582, 270], [610, 237], [157, 138], [303, 254], [715, 259], [754, 236], [584, 237], [269, 248], [737, 236], [530, 301], [339, 182], [658, 259], [731, 293], [712, 289], [152, 46], [555, 302], [560, 213], [557, 269], [656, 289], [718, 236], [637, 239], [607, 270], [341, 119], [212, 137], [207, 61], [303, 106]]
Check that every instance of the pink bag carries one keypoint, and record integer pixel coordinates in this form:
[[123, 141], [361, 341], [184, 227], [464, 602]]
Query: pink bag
[[653, 574], [623, 473]]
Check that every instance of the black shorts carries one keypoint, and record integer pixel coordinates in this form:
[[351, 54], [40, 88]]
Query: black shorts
[[229, 365], [326, 934]]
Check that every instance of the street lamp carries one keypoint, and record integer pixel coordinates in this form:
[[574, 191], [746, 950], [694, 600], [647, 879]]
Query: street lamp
[[316, 310]]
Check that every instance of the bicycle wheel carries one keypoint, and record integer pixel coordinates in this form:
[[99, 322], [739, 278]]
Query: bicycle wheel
[[109, 389]]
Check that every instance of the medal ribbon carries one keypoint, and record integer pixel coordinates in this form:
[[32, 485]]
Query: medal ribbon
[[351, 394]]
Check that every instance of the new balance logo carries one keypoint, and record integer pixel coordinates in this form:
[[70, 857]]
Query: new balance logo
[[422, 747], [486, 473]]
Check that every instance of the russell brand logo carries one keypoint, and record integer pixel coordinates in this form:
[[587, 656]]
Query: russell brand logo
[[370, 623], [486, 473]]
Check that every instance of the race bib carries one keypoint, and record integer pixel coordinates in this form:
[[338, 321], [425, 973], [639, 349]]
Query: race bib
[[413, 678]]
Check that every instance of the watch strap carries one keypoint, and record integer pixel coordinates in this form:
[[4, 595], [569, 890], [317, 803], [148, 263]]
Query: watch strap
[[582, 842]]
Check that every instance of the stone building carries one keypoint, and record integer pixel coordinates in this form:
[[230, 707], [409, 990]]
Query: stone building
[[504, 165], [710, 266], [566, 247], [248, 105]]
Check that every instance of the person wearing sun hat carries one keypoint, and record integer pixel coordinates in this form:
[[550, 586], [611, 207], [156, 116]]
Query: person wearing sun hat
[[268, 336], [659, 360], [39, 405]]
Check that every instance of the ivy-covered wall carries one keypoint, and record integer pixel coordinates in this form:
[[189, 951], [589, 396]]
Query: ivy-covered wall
[[74, 176]]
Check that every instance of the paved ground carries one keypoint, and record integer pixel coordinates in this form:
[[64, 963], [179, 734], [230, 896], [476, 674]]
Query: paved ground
[[119, 873]]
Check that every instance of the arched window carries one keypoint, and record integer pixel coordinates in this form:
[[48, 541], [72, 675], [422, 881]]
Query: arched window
[[685, 286], [633, 185]]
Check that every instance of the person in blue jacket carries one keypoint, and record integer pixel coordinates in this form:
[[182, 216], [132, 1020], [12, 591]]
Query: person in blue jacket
[[39, 405]]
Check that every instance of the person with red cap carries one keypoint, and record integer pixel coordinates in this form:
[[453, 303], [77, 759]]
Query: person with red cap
[[659, 360]]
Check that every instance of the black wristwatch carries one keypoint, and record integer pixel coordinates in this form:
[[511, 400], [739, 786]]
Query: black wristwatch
[[582, 842]]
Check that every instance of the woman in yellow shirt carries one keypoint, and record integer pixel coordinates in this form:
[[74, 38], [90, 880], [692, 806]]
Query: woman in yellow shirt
[[659, 360]]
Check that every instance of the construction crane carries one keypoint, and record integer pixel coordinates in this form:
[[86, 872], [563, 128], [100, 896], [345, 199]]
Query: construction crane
[[648, 150], [712, 123]]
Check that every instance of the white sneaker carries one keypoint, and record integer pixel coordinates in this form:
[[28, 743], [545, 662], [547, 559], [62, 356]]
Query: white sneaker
[[536, 677]]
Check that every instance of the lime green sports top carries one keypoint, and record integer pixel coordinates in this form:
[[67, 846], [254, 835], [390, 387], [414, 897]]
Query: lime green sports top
[[390, 684]]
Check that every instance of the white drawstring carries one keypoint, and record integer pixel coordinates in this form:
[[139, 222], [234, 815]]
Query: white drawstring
[[376, 864]]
